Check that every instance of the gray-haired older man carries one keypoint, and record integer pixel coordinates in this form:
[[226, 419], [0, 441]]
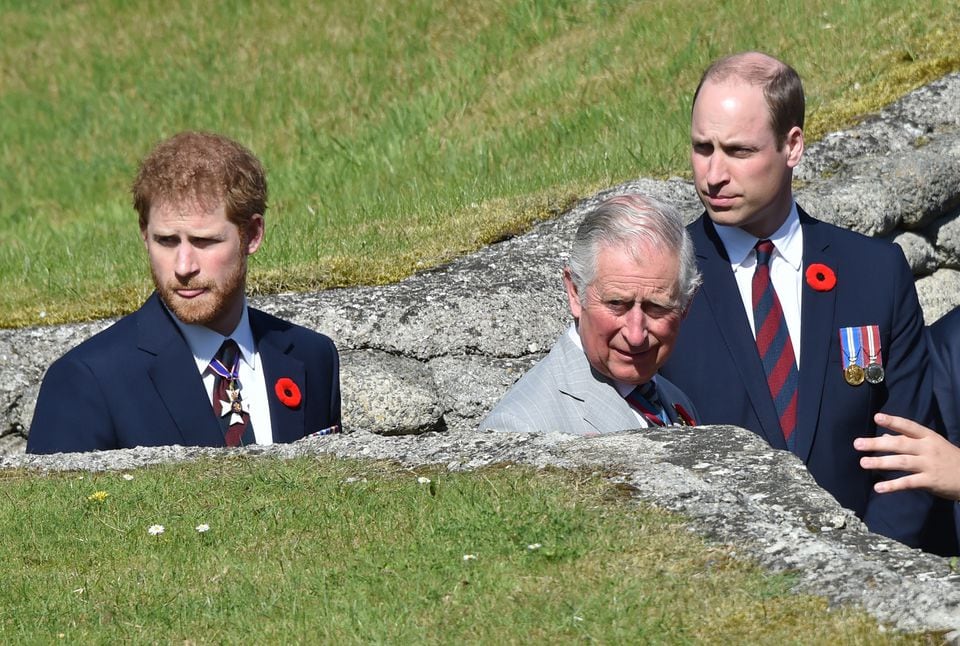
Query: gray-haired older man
[[629, 280]]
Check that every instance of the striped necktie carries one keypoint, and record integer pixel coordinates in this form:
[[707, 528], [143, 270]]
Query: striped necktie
[[228, 404], [774, 346], [646, 400]]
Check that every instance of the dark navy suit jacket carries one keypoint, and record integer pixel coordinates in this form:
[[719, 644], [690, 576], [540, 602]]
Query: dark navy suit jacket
[[136, 384], [944, 338], [945, 361], [715, 361]]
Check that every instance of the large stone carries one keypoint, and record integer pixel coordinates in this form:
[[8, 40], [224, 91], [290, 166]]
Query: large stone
[[945, 233], [920, 254], [470, 386], [879, 193], [392, 394]]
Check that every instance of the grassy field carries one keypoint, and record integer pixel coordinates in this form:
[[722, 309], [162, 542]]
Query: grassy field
[[335, 552], [396, 135]]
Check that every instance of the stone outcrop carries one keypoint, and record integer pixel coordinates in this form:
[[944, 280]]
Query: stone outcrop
[[726, 481], [425, 359]]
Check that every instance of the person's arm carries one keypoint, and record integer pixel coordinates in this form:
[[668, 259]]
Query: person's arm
[[933, 463]]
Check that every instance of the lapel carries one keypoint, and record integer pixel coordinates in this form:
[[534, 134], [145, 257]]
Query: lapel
[[175, 377], [603, 407], [719, 290], [275, 346], [817, 330]]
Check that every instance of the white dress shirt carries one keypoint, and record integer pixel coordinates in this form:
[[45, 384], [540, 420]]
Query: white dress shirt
[[204, 344], [786, 270]]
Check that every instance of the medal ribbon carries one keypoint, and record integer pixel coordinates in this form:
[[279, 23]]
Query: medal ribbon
[[851, 346], [233, 374], [871, 339]]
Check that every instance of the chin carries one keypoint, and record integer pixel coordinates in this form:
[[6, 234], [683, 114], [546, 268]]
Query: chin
[[200, 310], [633, 376]]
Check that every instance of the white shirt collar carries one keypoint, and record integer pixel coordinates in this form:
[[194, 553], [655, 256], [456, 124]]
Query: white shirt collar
[[787, 239], [204, 342]]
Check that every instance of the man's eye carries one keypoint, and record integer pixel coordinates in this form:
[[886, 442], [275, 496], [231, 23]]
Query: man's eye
[[166, 241], [657, 311], [618, 306]]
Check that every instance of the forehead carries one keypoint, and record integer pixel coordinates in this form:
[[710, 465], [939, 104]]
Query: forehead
[[646, 268], [730, 106], [187, 213]]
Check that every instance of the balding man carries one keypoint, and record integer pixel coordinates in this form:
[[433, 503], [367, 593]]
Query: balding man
[[802, 331]]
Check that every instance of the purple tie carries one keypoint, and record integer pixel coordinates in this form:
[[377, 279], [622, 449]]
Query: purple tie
[[773, 344], [227, 402]]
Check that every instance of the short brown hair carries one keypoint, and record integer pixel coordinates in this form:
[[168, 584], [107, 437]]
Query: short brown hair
[[206, 167], [781, 86]]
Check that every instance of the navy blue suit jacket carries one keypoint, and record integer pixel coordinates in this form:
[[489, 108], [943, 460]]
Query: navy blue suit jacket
[[944, 338], [136, 384], [945, 362], [715, 361]]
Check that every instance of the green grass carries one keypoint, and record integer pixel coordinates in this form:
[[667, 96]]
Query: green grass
[[396, 135], [325, 551]]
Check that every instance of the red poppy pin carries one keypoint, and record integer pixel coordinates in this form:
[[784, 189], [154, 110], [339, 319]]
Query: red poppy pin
[[821, 277], [287, 392]]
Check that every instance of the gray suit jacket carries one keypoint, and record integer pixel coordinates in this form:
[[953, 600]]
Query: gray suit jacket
[[563, 393]]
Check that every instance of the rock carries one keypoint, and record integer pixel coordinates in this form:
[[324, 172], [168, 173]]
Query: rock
[[727, 482], [945, 233], [392, 394], [920, 254], [939, 293]]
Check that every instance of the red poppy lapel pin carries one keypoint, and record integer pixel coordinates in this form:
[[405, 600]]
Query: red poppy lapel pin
[[287, 392], [821, 277]]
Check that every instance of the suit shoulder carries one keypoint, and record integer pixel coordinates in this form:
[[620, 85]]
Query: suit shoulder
[[264, 323], [853, 239], [119, 336], [946, 328]]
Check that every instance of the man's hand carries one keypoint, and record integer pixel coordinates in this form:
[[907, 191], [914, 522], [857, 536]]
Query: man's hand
[[933, 462]]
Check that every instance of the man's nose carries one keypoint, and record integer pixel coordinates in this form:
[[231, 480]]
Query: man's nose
[[186, 264], [717, 172], [634, 329]]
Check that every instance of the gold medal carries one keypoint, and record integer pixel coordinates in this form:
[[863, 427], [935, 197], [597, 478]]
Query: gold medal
[[854, 375], [874, 373]]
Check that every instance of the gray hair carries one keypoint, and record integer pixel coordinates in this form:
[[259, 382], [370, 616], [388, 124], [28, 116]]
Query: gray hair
[[633, 223]]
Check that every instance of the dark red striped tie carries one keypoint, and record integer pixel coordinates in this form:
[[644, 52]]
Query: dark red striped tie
[[646, 400], [225, 365], [773, 344]]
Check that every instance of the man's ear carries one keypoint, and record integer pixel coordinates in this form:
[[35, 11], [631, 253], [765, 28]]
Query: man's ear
[[254, 234], [794, 145], [573, 296]]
